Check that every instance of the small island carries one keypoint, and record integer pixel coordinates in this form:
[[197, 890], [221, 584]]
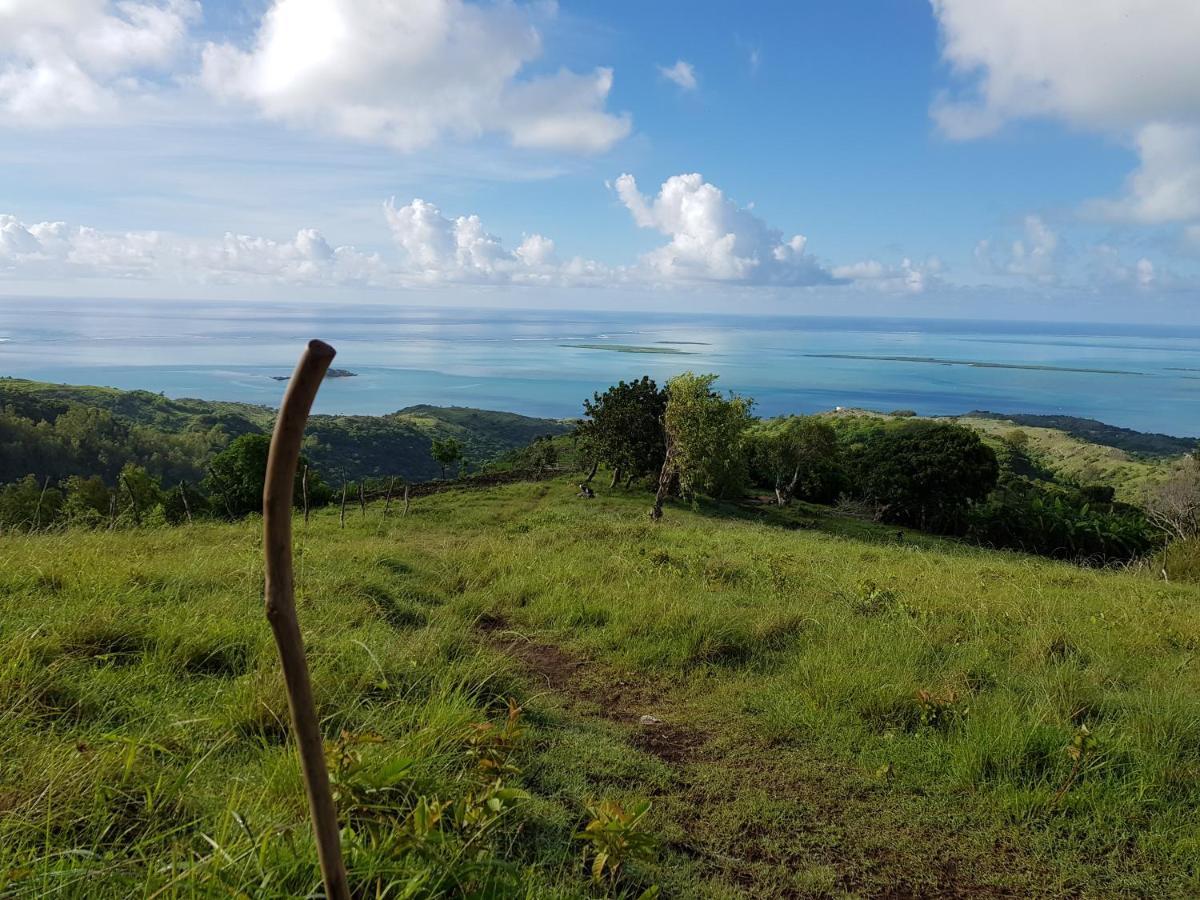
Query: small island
[[332, 373]]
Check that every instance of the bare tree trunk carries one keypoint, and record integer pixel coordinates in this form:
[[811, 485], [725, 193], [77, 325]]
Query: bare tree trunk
[[278, 497], [304, 492], [592, 472], [187, 509], [615, 478], [387, 503], [112, 510], [362, 497], [665, 477], [37, 512], [629, 481], [137, 513], [343, 502], [406, 499]]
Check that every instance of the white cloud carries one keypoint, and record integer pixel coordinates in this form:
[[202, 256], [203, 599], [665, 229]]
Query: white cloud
[[682, 73], [1105, 64], [52, 250], [69, 60], [409, 72], [1108, 269], [908, 276], [1034, 256], [1166, 186], [1126, 68], [712, 239], [439, 249]]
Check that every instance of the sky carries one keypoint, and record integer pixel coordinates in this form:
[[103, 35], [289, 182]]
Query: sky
[[1010, 159]]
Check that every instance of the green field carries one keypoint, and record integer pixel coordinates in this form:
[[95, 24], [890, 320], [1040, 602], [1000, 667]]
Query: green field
[[841, 711]]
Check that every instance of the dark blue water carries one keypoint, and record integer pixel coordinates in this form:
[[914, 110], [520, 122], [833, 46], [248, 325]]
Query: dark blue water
[[516, 360]]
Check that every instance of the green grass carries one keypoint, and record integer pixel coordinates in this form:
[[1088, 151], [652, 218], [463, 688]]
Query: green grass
[[842, 713]]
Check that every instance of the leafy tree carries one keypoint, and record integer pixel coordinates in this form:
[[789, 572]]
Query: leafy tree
[[141, 490], [542, 454], [921, 473], [705, 435], [795, 455], [446, 452], [237, 474], [88, 501], [29, 505], [624, 428]]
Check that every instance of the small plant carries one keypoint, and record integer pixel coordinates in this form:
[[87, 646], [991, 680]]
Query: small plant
[[939, 710], [491, 746], [872, 599], [1082, 753], [617, 837]]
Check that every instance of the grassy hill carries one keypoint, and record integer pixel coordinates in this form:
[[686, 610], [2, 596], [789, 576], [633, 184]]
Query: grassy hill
[[1077, 450], [836, 710], [175, 438]]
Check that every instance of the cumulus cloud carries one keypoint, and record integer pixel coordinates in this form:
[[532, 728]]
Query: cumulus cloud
[[436, 248], [1108, 269], [1034, 256], [409, 72], [713, 239], [1166, 186], [69, 60], [1129, 69], [60, 250], [1105, 65], [907, 276], [682, 73]]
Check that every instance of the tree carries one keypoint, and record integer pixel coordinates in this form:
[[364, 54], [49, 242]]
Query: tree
[[88, 500], [446, 452], [1174, 505], [624, 428], [704, 440], [923, 474], [542, 454], [29, 504], [795, 454], [236, 475]]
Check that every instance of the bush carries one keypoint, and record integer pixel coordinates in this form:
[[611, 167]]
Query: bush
[[920, 473], [1061, 521]]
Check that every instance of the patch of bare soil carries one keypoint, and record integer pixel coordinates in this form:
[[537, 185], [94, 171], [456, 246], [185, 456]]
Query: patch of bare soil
[[591, 690], [804, 803]]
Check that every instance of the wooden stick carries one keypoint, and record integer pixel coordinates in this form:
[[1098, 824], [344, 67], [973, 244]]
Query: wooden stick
[[406, 498], [278, 497], [362, 497], [304, 493], [343, 501], [387, 504]]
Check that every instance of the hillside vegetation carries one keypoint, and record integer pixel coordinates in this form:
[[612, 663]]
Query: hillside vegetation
[[835, 710], [50, 430]]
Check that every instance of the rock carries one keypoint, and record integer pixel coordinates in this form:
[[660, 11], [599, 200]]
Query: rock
[[649, 720]]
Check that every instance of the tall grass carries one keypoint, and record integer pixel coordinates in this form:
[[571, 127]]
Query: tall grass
[[143, 724]]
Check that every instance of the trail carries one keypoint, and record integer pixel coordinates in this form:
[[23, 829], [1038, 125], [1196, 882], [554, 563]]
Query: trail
[[821, 815]]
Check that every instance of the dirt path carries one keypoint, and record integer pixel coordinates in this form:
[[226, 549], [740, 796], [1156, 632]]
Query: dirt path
[[814, 814]]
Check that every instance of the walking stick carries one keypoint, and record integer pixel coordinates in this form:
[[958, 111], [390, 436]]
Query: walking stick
[[281, 608]]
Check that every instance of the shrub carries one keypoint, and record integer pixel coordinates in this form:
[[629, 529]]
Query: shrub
[[1061, 521], [920, 473]]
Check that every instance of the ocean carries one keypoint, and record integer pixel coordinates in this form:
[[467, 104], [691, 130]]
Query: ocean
[[543, 362]]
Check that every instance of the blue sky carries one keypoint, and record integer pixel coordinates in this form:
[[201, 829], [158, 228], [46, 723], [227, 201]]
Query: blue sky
[[1015, 159]]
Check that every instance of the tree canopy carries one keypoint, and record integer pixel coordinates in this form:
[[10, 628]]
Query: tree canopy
[[624, 428]]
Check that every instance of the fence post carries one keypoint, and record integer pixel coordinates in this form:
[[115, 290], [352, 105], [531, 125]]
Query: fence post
[[278, 497]]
